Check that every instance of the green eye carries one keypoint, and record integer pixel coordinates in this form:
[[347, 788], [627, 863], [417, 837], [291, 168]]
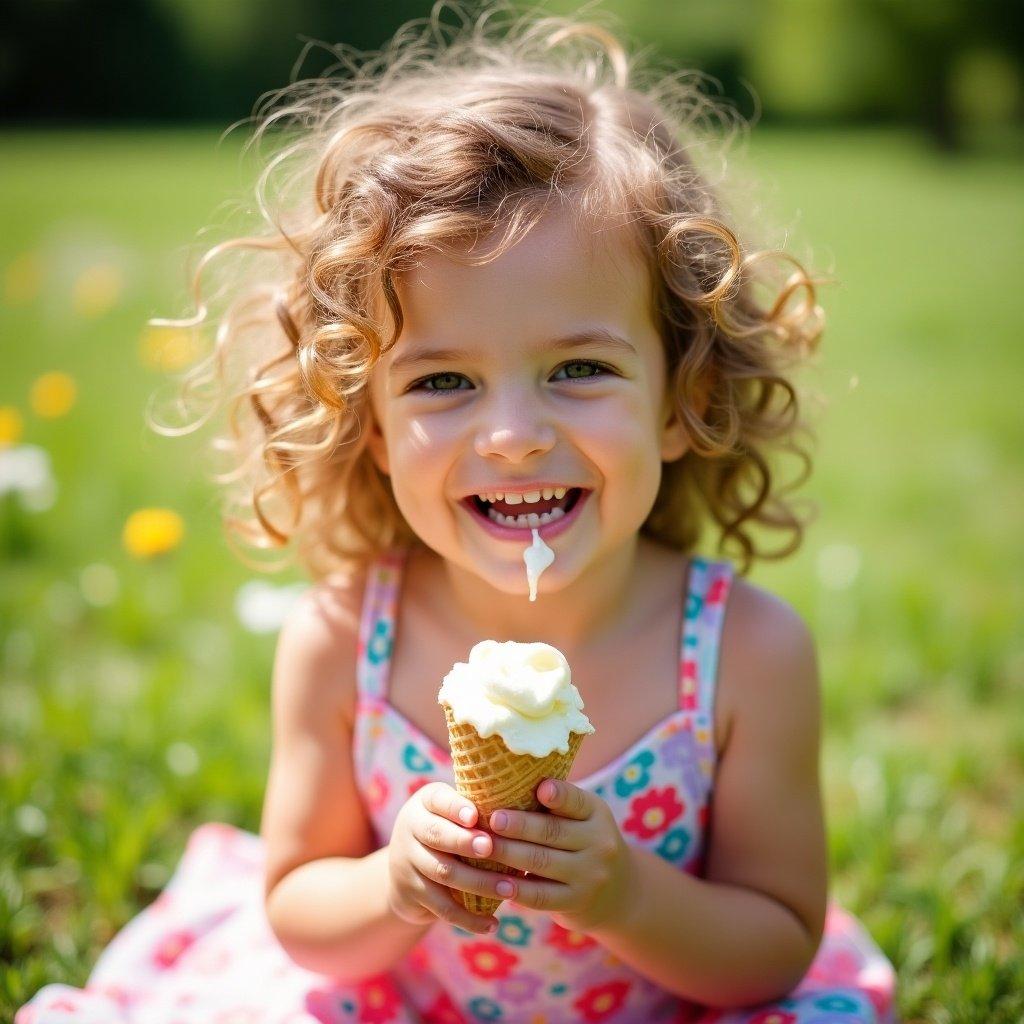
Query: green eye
[[421, 385], [589, 363]]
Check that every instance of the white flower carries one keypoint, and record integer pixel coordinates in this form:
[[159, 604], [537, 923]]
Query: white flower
[[25, 471], [261, 606]]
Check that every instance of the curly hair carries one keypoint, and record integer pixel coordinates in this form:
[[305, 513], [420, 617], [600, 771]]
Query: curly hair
[[429, 143]]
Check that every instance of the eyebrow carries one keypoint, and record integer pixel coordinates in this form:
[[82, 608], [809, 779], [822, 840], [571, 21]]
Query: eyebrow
[[578, 339]]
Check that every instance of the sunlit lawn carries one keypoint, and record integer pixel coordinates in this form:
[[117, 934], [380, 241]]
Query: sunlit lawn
[[134, 705]]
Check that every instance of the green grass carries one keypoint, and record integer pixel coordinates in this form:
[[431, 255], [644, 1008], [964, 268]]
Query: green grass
[[113, 744]]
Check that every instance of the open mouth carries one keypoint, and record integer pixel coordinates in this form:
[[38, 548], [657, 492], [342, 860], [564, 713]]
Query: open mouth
[[524, 516]]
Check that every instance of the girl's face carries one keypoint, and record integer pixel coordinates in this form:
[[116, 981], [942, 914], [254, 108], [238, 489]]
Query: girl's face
[[516, 409]]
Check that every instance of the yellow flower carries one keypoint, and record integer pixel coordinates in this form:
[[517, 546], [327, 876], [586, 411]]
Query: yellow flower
[[96, 290], [23, 279], [10, 425], [152, 531], [53, 394], [168, 348]]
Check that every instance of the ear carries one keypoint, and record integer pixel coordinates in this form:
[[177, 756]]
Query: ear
[[675, 442]]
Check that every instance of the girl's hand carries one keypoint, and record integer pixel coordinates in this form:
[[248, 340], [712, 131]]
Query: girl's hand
[[586, 864], [429, 835]]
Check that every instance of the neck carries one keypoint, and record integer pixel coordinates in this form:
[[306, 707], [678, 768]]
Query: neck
[[589, 610]]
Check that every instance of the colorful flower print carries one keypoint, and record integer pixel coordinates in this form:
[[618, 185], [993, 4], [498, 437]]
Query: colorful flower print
[[513, 931], [379, 1001], [717, 591], [688, 685], [674, 844], [519, 988], [377, 791], [414, 760], [568, 941], [773, 1015], [681, 751], [485, 1009], [694, 606], [488, 959], [172, 946], [837, 1002], [601, 1001], [635, 775], [653, 812], [328, 1006], [379, 647], [443, 1011], [418, 784]]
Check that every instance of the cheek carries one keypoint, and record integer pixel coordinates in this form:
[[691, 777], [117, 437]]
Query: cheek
[[624, 445], [422, 442]]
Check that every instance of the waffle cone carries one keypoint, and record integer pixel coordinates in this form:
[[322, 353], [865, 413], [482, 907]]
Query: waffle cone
[[490, 775]]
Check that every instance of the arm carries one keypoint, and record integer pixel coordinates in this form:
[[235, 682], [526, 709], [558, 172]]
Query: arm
[[325, 891], [364, 939], [748, 931]]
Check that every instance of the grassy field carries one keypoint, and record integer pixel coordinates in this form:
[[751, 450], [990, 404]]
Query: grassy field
[[119, 675]]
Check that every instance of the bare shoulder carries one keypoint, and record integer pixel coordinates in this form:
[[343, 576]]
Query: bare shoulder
[[767, 660], [319, 641]]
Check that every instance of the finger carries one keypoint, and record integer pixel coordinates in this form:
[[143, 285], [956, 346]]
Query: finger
[[539, 827], [538, 860], [565, 799], [441, 834], [539, 894], [440, 798], [452, 872], [444, 903]]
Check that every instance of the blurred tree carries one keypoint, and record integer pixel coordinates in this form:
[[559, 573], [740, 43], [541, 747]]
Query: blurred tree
[[932, 36], [924, 61]]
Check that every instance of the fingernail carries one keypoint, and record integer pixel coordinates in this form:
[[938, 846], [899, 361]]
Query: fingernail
[[505, 888], [550, 791], [492, 927], [466, 815], [481, 845], [499, 820]]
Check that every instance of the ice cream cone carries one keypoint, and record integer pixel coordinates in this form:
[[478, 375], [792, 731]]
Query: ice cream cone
[[492, 776]]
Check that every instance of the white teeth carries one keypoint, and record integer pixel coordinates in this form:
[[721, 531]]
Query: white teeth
[[530, 497], [525, 521]]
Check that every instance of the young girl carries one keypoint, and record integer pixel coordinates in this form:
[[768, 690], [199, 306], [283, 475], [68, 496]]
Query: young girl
[[506, 284]]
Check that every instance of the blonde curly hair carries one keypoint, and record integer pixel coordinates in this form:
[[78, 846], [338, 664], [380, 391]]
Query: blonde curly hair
[[429, 143]]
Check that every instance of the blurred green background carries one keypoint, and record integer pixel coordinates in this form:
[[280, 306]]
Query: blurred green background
[[888, 153]]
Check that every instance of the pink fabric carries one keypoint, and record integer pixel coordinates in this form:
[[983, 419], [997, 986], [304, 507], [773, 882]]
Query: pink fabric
[[203, 951]]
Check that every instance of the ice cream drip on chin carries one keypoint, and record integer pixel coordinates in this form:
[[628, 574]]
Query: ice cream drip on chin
[[538, 556]]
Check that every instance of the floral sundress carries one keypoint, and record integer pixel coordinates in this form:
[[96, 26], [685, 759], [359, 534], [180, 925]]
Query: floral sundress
[[203, 953]]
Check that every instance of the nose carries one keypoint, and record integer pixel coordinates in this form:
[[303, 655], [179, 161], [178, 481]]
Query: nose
[[513, 427]]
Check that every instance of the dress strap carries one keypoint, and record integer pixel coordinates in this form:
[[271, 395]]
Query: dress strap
[[377, 623], [706, 596]]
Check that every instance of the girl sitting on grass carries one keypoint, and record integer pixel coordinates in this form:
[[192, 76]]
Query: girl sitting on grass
[[472, 226]]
